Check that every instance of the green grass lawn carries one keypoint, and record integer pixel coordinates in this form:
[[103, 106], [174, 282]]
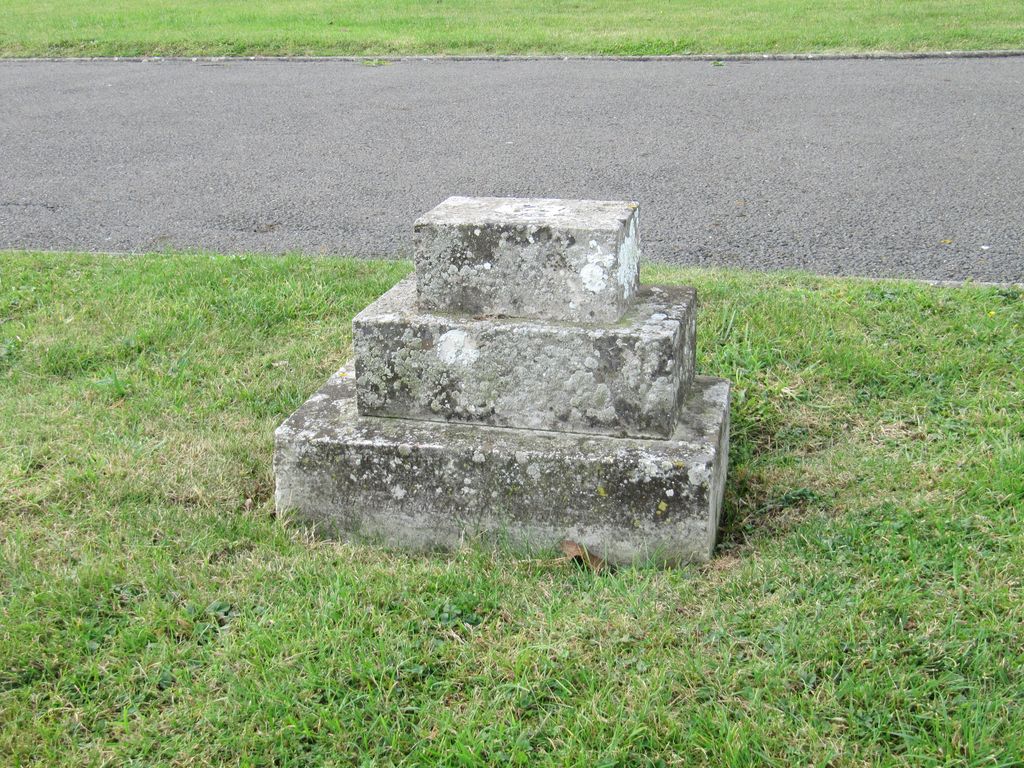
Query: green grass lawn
[[381, 27], [865, 606]]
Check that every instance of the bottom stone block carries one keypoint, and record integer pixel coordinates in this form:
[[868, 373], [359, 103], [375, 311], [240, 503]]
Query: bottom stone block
[[426, 485]]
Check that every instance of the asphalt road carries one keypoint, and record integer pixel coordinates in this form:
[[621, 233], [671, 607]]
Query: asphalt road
[[908, 168]]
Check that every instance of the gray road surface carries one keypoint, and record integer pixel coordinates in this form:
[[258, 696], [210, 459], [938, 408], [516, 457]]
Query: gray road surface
[[886, 168]]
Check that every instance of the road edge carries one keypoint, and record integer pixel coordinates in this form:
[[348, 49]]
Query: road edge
[[696, 57], [966, 283]]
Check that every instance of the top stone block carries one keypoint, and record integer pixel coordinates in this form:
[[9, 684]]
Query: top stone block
[[571, 260]]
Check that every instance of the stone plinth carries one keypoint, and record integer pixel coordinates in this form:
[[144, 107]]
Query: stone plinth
[[426, 485], [522, 388], [572, 260], [615, 379]]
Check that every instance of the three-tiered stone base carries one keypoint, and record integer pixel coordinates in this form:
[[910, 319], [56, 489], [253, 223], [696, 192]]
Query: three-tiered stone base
[[456, 426]]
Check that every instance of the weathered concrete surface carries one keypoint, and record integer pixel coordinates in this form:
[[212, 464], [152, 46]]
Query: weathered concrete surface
[[426, 485], [618, 379], [573, 260]]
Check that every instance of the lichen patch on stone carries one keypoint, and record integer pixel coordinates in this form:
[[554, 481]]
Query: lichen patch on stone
[[593, 277], [456, 347]]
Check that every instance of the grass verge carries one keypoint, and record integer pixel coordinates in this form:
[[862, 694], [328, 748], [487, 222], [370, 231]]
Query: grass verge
[[379, 27], [865, 606]]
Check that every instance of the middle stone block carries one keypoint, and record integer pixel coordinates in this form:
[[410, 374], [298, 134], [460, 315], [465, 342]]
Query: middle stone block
[[625, 378]]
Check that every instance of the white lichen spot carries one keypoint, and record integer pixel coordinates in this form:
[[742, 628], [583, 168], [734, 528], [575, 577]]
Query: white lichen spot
[[398, 492], [629, 261], [533, 471], [478, 457], [456, 347], [648, 467], [670, 492], [699, 475], [594, 277]]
